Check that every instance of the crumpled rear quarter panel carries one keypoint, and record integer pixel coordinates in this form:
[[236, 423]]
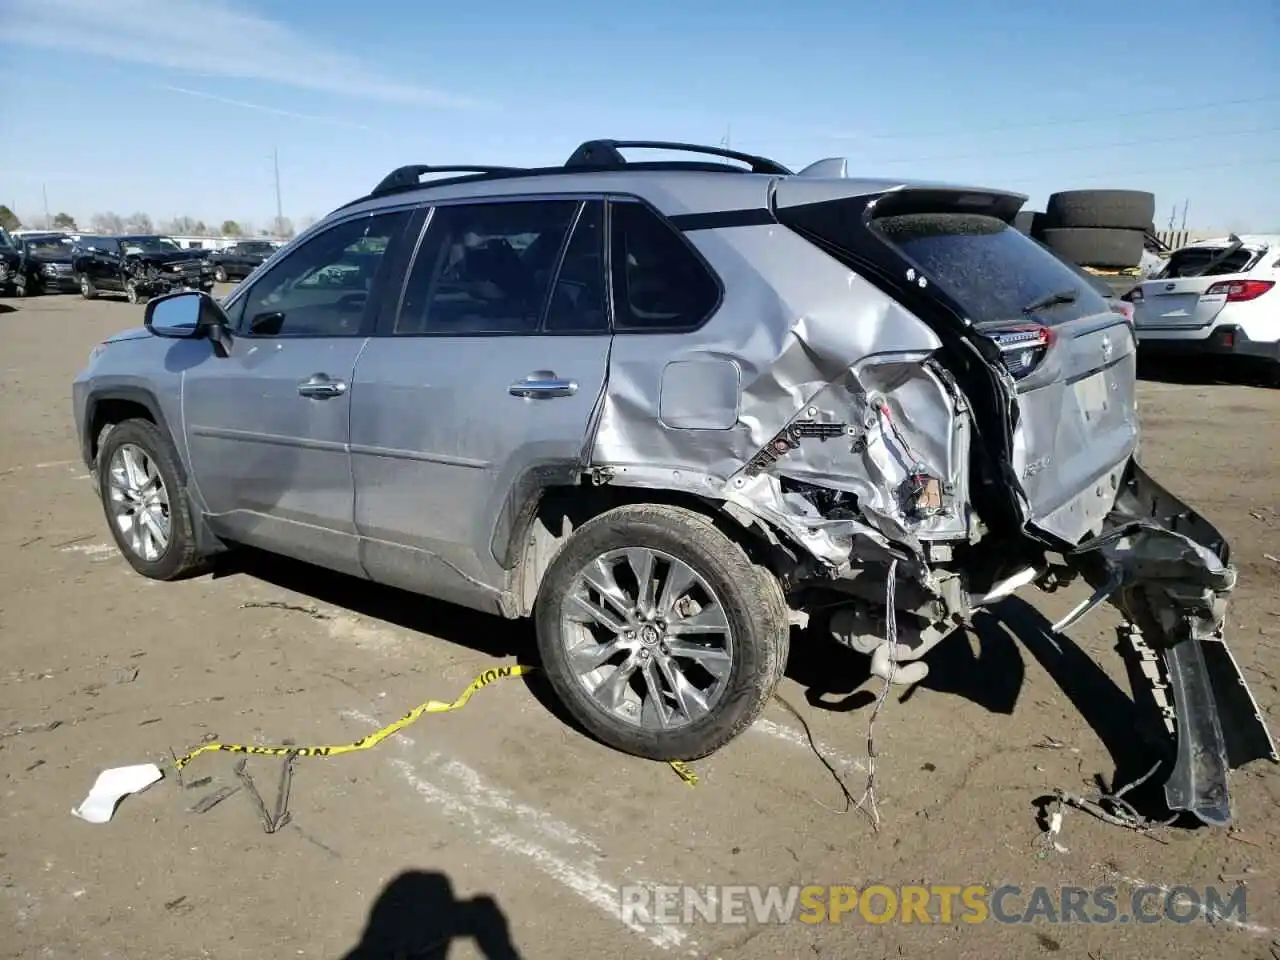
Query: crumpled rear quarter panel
[[688, 411]]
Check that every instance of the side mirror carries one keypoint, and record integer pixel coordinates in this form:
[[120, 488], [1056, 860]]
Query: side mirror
[[189, 315]]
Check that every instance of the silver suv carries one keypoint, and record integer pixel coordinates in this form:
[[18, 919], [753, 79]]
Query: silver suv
[[668, 409]]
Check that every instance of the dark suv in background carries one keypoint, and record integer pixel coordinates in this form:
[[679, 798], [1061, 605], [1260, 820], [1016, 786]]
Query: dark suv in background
[[39, 263], [240, 259], [8, 263], [138, 266]]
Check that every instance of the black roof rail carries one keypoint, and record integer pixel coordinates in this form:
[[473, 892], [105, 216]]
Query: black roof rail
[[403, 178], [604, 154]]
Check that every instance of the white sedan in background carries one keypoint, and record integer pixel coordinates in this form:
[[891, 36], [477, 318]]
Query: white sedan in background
[[1215, 297]]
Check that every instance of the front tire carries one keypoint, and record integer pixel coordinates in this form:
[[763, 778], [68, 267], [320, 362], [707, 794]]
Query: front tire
[[87, 289], [1272, 374], [674, 671], [145, 501], [220, 274]]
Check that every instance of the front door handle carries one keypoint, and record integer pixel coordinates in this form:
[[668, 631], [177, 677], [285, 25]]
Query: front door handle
[[321, 386], [543, 383]]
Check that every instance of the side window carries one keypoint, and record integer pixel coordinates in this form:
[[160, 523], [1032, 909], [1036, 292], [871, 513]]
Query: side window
[[321, 289], [578, 298], [659, 283], [485, 268]]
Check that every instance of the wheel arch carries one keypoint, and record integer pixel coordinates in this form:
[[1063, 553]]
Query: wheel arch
[[109, 406], [557, 511], [112, 405]]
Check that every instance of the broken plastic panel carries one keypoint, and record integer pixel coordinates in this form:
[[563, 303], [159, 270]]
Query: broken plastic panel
[[112, 786], [1168, 570], [882, 447]]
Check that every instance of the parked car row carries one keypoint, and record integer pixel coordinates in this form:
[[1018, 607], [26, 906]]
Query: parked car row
[[137, 266]]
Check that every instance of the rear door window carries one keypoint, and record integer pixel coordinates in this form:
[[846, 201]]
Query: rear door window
[[485, 268], [659, 283], [990, 268]]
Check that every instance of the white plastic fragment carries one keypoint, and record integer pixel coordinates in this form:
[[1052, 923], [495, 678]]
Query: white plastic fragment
[[1055, 827], [112, 786]]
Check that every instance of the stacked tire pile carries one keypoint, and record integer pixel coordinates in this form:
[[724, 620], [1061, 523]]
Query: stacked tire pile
[[1101, 229]]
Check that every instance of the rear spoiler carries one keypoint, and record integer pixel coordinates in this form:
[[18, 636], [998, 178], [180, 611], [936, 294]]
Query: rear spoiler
[[818, 189]]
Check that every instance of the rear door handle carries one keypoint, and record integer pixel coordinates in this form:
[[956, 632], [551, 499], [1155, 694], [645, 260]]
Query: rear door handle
[[543, 384], [321, 386]]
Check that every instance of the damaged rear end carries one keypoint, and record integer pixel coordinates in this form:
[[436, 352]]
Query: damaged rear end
[[955, 419]]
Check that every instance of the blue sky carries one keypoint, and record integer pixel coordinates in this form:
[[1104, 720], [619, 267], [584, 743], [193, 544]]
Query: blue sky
[[173, 107]]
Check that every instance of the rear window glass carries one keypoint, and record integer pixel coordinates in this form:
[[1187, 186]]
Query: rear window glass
[[1189, 263], [991, 269]]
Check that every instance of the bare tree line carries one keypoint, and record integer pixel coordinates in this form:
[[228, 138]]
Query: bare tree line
[[110, 222]]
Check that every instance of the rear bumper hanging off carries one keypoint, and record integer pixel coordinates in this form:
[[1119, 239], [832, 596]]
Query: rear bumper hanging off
[[1168, 570]]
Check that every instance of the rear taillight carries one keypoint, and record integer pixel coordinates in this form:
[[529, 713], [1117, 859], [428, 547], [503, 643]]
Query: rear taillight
[[1022, 347], [1237, 291]]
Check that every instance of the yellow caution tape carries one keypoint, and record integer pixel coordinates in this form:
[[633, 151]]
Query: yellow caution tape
[[684, 772], [682, 769]]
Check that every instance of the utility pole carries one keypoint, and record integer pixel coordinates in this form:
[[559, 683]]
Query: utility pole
[[275, 159], [728, 130], [1185, 204], [48, 224]]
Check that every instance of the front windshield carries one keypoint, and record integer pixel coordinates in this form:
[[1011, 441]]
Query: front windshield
[[149, 245], [50, 246], [258, 248]]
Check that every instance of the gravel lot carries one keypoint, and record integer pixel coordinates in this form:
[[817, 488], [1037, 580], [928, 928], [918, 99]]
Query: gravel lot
[[502, 828]]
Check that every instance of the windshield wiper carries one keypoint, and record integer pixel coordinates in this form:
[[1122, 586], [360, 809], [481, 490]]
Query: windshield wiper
[[1052, 300]]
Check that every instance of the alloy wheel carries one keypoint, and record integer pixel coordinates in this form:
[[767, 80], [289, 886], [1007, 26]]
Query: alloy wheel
[[139, 502], [647, 638]]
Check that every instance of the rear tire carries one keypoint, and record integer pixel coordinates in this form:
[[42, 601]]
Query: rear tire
[[220, 274], [21, 287], [131, 452], [1092, 247], [732, 591], [1116, 209]]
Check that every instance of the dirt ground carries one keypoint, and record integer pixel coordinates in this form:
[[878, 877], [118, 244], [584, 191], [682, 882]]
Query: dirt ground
[[502, 831]]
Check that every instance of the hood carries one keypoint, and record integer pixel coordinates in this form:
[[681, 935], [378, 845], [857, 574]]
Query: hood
[[133, 333], [171, 256]]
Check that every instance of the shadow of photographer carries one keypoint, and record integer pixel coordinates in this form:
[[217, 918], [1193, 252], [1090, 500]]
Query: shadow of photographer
[[418, 916]]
